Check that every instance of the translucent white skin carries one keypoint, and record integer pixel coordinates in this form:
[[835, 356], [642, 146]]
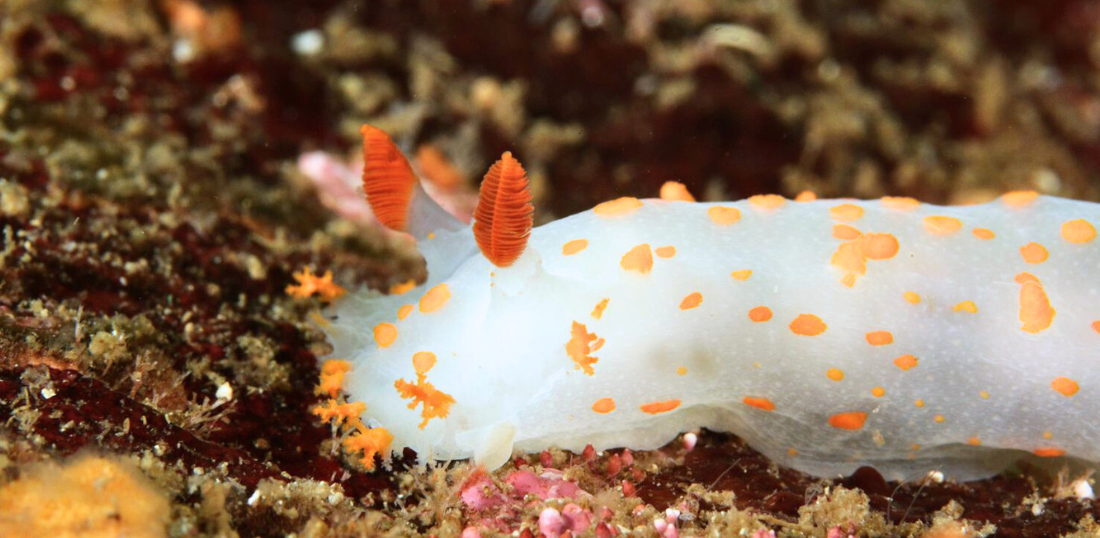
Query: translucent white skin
[[500, 339]]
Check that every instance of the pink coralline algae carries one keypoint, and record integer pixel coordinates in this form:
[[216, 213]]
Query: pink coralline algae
[[497, 508], [572, 518]]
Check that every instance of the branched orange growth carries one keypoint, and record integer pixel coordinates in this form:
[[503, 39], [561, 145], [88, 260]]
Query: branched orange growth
[[580, 346], [371, 441], [437, 404], [309, 283], [338, 412], [504, 214], [332, 377]]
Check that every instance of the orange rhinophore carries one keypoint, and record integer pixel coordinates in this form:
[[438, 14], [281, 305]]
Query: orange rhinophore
[[504, 214], [388, 179]]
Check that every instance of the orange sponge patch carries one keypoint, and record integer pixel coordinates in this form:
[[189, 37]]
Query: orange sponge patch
[[91, 497]]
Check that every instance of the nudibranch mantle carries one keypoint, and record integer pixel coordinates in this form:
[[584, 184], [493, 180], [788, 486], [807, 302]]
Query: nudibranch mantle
[[827, 334]]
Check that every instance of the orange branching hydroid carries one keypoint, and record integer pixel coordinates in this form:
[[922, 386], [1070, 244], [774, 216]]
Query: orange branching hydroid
[[388, 179], [504, 214]]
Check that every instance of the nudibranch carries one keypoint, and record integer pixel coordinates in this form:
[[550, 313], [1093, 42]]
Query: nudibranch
[[828, 334]]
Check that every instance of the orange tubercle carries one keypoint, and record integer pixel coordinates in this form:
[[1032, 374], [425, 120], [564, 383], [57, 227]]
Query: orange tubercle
[[388, 180], [504, 214], [674, 191]]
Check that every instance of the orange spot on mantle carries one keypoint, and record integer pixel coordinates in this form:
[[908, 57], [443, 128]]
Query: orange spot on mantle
[[808, 325], [966, 306], [845, 232], [597, 312], [940, 225], [404, 311], [638, 259], [665, 406], [759, 403], [900, 203], [983, 233], [604, 405], [851, 420], [1078, 231], [435, 299], [1019, 198], [879, 338], [760, 314], [1065, 386], [573, 247], [846, 212], [1036, 313], [618, 207], [852, 255], [906, 362], [767, 201], [1048, 452], [1034, 253], [724, 216], [401, 288], [385, 334], [691, 301]]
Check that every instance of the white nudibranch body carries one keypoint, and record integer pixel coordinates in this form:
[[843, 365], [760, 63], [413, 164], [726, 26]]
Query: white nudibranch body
[[827, 334]]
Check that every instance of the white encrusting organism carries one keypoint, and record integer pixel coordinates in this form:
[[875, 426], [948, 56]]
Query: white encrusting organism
[[828, 334]]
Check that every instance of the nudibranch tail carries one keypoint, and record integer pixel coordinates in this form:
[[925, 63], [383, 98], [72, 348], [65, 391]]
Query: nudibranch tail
[[504, 214]]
